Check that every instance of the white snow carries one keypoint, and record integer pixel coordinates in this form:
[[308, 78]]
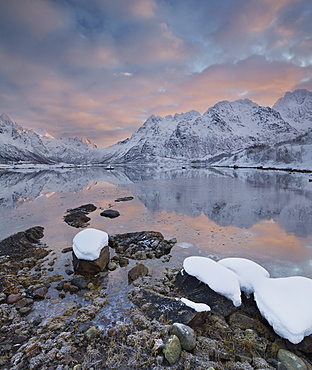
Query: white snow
[[198, 307], [286, 303], [88, 243], [248, 272], [217, 277]]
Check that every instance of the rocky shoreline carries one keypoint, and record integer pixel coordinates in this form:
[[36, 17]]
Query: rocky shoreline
[[160, 331]]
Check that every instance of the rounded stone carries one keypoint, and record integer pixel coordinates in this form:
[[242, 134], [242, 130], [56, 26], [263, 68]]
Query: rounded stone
[[185, 334], [172, 349], [110, 213], [290, 360], [13, 298]]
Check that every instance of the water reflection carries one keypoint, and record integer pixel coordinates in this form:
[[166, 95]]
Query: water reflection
[[240, 198]]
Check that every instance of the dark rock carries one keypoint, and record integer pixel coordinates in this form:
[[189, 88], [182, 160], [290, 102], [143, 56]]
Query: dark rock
[[40, 293], [9, 285], [22, 245], [137, 271], [141, 245], [67, 249], [80, 282], [185, 334], [73, 288], [25, 311], [69, 272], [37, 320], [24, 302], [77, 219], [86, 208], [123, 262], [110, 213], [13, 298], [111, 332], [124, 199], [86, 267], [196, 291], [305, 345], [112, 266], [156, 306]]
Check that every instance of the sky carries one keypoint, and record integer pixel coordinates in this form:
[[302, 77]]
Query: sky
[[98, 69]]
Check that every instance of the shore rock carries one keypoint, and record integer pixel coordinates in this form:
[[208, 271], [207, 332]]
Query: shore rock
[[172, 349], [196, 291], [86, 267], [22, 244], [185, 334], [141, 245], [137, 271], [290, 360]]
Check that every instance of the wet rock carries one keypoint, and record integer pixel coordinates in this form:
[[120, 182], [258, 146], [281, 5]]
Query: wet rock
[[305, 345], [172, 349], [110, 213], [111, 332], [24, 302], [22, 245], [112, 266], [24, 311], [91, 333], [196, 291], [13, 298], [76, 217], [69, 272], [80, 282], [290, 360], [123, 262], [67, 249], [185, 334], [40, 293], [137, 271], [141, 245], [124, 199], [86, 267], [86, 208], [9, 284], [158, 306]]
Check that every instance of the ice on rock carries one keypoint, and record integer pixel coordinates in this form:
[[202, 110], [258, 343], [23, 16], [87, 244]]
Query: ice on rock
[[248, 272], [217, 277], [286, 303], [88, 243]]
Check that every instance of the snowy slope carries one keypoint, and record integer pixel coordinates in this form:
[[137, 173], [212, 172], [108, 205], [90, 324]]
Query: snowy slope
[[229, 133], [296, 109], [19, 144], [225, 127]]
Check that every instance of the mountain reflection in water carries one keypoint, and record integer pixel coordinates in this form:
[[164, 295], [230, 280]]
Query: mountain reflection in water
[[218, 211]]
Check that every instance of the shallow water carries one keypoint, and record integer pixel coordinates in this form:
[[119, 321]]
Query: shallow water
[[265, 216]]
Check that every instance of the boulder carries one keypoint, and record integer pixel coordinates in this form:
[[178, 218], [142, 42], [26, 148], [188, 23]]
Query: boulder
[[86, 267], [199, 292], [158, 306], [185, 334], [137, 271], [141, 245]]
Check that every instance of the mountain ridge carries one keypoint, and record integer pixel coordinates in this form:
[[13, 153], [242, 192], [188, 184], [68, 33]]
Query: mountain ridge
[[223, 135]]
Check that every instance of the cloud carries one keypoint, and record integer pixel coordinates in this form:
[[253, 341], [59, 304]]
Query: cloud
[[99, 68]]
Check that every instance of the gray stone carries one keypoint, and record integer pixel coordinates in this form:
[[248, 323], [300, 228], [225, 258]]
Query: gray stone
[[290, 360], [185, 334], [137, 271], [172, 349], [110, 213]]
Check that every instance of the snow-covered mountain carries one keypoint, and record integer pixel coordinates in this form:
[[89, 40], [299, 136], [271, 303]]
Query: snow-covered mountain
[[229, 133], [223, 129], [20, 144]]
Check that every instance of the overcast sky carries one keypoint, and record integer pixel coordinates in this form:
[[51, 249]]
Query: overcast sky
[[100, 68]]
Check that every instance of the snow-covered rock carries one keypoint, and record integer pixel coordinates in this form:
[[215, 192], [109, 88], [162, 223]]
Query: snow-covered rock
[[209, 272], [286, 303], [88, 243]]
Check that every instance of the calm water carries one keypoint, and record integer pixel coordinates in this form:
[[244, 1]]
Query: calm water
[[265, 216]]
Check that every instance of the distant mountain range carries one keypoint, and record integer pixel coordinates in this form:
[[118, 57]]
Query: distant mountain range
[[239, 133]]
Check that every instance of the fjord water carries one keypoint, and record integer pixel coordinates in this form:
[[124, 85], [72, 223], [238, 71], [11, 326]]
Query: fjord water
[[265, 216]]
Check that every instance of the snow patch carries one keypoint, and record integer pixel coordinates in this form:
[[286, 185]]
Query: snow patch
[[88, 243]]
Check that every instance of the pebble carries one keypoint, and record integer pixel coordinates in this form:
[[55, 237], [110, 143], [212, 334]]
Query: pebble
[[185, 334], [25, 311], [172, 349], [112, 266], [13, 298]]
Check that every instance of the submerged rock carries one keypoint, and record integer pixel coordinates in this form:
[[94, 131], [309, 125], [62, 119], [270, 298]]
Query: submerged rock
[[141, 245], [76, 217], [137, 271], [110, 213]]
